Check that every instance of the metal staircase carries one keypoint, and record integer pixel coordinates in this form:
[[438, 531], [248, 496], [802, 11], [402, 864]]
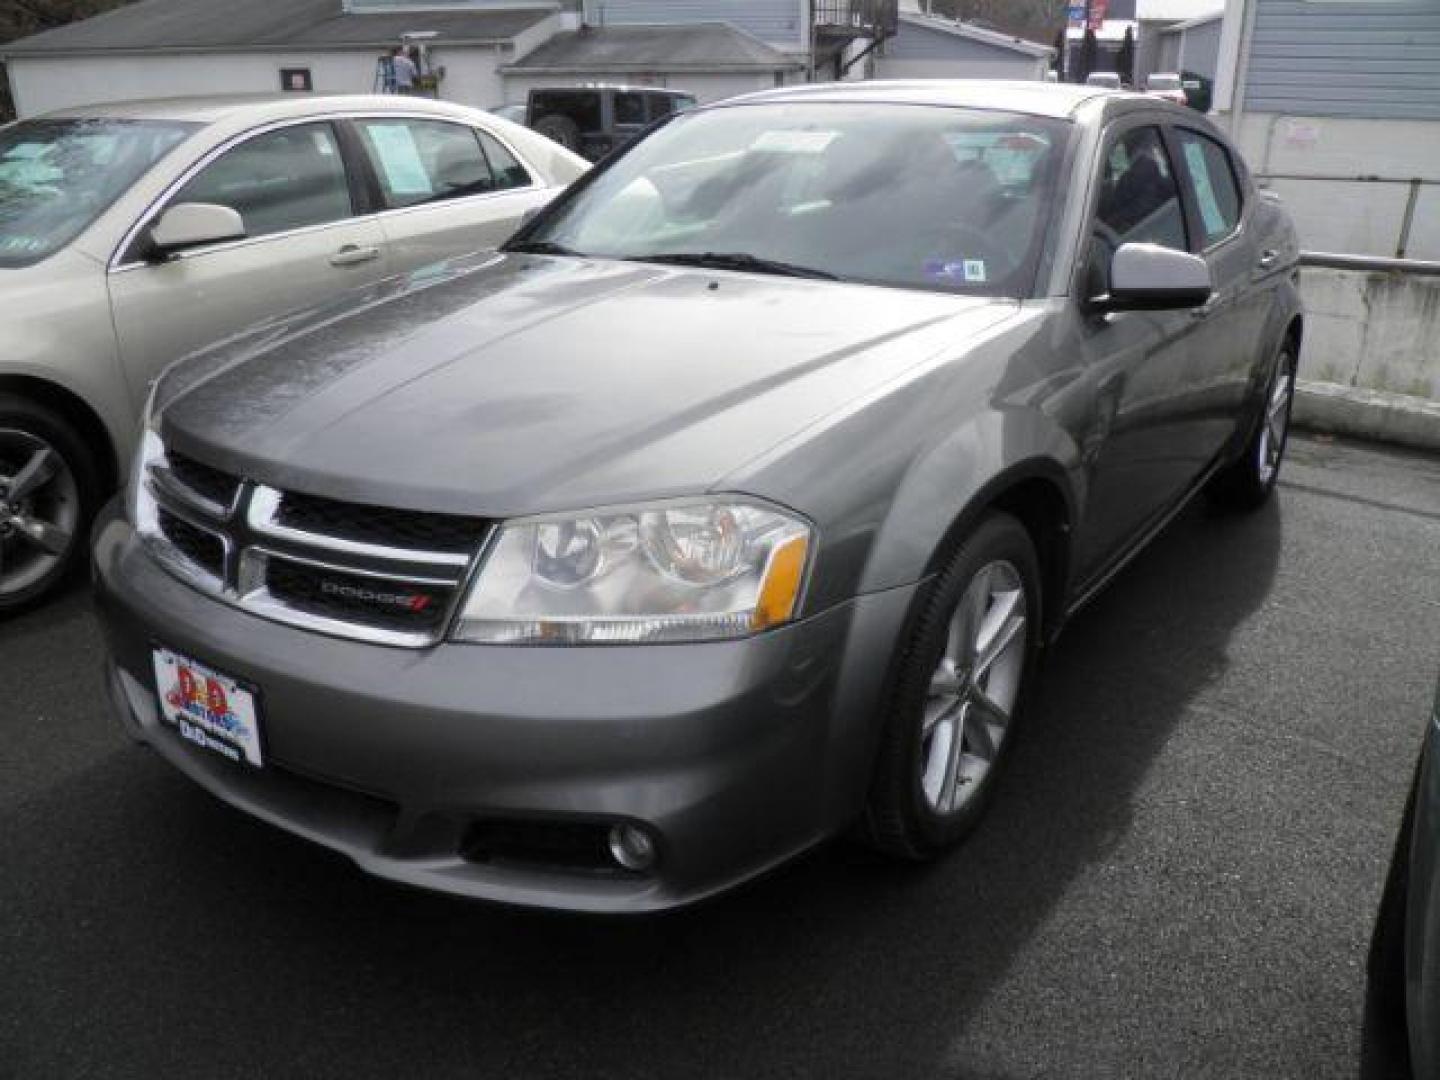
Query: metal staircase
[[837, 24]]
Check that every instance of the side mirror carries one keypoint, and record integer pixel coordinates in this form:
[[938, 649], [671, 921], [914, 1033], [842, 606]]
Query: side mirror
[[1148, 277], [189, 225]]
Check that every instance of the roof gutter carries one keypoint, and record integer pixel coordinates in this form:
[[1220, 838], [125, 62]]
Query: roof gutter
[[207, 50], [634, 68]]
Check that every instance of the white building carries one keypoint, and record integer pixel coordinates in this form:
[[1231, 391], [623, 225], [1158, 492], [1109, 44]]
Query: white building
[[1178, 36], [489, 51], [930, 47], [1336, 105]]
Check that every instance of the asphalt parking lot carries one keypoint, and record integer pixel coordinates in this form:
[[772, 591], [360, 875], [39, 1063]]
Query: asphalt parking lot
[[1177, 879]]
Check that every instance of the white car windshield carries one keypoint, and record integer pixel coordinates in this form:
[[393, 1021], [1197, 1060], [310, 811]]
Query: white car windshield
[[909, 196], [57, 176]]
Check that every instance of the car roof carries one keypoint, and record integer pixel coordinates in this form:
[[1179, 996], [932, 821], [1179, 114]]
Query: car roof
[[259, 108], [1036, 98], [557, 88]]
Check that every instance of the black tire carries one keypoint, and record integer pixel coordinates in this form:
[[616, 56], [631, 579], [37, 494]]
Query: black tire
[[1384, 1042], [22, 419], [561, 129], [900, 819], [1246, 484]]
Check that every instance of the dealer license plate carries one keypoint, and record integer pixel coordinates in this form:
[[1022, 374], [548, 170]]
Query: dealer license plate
[[208, 709]]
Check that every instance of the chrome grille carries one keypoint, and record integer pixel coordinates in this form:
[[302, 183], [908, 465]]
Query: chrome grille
[[200, 546], [380, 525], [211, 485], [408, 606], [370, 573]]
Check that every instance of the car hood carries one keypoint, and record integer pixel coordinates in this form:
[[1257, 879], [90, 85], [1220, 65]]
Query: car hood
[[515, 384]]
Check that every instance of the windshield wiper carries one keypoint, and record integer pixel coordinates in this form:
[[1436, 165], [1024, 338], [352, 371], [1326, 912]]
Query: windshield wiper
[[540, 247], [736, 260]]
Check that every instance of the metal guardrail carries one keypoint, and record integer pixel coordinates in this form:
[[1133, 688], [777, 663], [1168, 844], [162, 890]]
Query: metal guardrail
[[1414, 184], [1369, 263]]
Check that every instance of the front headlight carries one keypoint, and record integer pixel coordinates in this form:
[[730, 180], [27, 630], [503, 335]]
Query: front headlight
[[682, 571]]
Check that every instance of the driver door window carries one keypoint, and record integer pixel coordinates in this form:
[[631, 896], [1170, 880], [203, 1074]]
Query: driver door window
[[303, 247], [284, 180], [1139, 199], [1139, 203]]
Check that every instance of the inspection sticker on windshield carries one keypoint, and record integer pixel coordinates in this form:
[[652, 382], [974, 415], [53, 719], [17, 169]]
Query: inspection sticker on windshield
[[968, 271], [794, 142], [207, 709]]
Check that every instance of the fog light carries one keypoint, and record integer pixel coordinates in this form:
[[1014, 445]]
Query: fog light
[[632, 848]]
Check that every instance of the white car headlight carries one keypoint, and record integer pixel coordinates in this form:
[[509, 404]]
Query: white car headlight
[[691, 570]]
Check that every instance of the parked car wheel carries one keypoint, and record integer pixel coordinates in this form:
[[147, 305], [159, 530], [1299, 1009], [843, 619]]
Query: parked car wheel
[[1247, 483], [560, 129], [48, 497], [958, 694], [1384, 1043]]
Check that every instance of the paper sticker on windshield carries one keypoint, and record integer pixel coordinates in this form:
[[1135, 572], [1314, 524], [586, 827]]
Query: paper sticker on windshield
[[957, 271], [794, 142]]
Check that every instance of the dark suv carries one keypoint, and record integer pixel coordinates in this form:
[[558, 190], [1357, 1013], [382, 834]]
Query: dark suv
[[594, 120]]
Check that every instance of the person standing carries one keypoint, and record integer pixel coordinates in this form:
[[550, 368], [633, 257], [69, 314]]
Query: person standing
[[406, 73]]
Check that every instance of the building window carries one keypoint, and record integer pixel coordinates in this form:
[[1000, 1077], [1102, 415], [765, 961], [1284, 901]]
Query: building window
[[296, 80]]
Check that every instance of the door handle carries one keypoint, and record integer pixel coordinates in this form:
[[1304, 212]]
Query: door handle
[[354, 255], [1268, 258]]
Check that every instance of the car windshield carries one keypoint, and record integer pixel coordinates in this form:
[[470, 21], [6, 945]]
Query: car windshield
[[57, 176], [908, 196]]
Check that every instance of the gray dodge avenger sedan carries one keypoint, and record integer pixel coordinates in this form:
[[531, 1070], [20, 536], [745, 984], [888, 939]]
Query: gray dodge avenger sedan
[[725, 509]]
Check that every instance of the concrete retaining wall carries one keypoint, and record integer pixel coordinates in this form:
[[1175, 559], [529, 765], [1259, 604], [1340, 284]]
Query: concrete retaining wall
[[1372, 331], [1370, 366]]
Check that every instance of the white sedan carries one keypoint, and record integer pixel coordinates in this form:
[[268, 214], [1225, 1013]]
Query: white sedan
[[132, 234]]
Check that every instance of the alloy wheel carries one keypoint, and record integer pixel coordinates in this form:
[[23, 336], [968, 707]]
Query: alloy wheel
[[39, 510], [1276, 424], [974, 688]]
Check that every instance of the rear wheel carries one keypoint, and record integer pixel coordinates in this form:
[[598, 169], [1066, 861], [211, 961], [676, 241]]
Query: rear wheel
[[958, 693], [561, 129], [48, 497], [1247, 483], [1384, 1042]]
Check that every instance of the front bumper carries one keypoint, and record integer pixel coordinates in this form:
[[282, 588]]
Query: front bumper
[[736, 755]]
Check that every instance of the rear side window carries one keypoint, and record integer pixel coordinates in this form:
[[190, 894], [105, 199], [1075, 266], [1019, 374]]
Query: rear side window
[[1139, 199], [508, 172], [581, 106], [661, 105], [425, 161], [1210, 177], [286, 179], [629, 108]]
